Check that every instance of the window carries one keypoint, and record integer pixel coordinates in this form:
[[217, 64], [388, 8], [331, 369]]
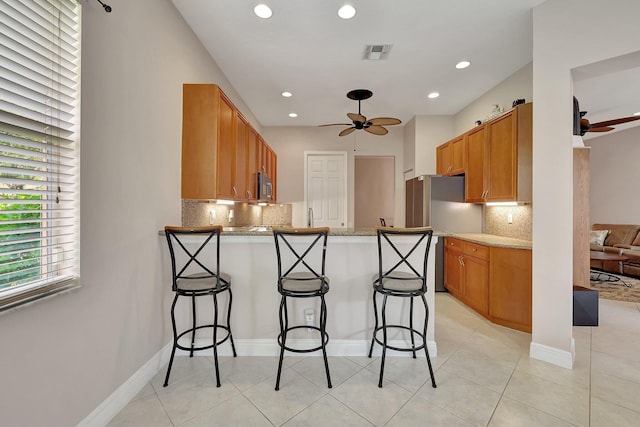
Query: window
[[39, 128]]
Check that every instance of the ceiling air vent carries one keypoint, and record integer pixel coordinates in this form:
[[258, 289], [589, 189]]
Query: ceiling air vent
[[376, 52]]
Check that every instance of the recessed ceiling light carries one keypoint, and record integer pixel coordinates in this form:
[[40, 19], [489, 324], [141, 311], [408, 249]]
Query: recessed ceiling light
[[347, 12], [287, 94], [462, 64], [433, 95], [263, 11], [293, 115]]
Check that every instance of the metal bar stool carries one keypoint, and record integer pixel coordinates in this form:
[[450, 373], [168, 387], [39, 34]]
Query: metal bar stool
[[402, 272], [301, 256], [198, 274]]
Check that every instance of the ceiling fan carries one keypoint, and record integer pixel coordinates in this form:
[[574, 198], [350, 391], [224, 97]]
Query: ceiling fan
[[374, 126], [582, 125]]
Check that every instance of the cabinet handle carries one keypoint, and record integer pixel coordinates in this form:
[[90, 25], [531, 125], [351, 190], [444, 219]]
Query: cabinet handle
[[474, 249], [235, 191], [249, 193], [462, 261]]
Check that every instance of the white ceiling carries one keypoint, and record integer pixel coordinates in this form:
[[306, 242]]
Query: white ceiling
[[305, 48]]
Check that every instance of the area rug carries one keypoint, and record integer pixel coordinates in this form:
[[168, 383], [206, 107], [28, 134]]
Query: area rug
[[617, 291]]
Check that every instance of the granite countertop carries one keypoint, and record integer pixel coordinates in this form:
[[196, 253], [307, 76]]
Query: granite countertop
[[493, 240], [266, 231]]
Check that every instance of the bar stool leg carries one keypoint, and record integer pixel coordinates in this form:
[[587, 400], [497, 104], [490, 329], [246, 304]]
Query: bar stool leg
[[323, 326], [284, 325], [424, 335], [193, 331], [175, 340], [413, 343], [233, 347], [384, 338], [375, 327], [215, 338]]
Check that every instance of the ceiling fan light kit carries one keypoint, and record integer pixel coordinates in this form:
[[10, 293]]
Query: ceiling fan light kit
[[374, 126]]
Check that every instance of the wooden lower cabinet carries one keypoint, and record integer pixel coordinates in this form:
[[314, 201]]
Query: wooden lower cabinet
[[494, 281]]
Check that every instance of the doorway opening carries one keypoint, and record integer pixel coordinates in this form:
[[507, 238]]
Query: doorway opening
[[374, 178]]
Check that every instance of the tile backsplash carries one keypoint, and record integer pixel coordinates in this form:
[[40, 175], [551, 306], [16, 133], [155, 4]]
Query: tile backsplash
[[496, 221], [197, 213]]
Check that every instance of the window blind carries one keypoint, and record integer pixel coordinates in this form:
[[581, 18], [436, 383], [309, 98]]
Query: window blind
[[39, 156]]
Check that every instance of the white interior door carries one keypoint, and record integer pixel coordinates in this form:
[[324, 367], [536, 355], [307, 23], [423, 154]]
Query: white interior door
[[326, 188]]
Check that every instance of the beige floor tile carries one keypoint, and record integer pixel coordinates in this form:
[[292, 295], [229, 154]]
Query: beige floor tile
[[606, 414], [579, 376], [340, 369], [362, 360], [419, 413], [327, 412], [494, 345], [407, 372], [511, 413], [145, 411], [190, 397], [295, 394], [235, 412], [361, 394], [480, 368], [616, 366], [245, 372], [567, 403], [465, 399], [616, 390], [184, 367], [146, 391]]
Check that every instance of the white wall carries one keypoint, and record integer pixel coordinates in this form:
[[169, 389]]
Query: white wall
[[290, 143], [518, 85], [614, 184], [567, 34], [62, 357]]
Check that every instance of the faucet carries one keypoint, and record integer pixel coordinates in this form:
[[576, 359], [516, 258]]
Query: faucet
[[310, 218]]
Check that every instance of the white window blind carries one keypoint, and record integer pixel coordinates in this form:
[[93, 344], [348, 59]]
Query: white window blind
[[39, 156]]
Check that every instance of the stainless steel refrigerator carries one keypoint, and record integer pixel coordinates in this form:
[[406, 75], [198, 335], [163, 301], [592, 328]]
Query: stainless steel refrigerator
[[438, 201]]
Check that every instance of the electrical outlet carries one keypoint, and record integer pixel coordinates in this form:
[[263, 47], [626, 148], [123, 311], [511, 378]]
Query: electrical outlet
[[510, 218], [309, 318]]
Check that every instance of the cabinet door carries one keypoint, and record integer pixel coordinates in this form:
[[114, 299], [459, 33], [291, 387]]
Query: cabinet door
[[225, 167], [475, 160], [241, 158], [253, 155], [502, 156], [510, 295], [274, 174], [452, 272], [457, 155], [476, 284], [443, 159]]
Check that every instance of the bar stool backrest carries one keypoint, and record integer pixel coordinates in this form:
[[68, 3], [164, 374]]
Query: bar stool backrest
[[403, 254], [189, 262], [301, 253]]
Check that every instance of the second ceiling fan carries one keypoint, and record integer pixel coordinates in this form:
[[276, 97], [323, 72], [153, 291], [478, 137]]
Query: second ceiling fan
[[374, 126]]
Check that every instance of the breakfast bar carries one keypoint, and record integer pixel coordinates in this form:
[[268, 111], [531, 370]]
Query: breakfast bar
[[248, 255]]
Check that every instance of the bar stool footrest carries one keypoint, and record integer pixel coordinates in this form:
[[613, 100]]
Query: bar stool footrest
[[309, 350], [411, 349], [189, 331]]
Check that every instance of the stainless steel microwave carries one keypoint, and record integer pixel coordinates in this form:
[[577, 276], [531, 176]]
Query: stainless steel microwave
[[265, 188]]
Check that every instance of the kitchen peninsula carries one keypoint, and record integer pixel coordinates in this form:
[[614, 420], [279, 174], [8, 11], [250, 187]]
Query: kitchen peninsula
[[249, 256]]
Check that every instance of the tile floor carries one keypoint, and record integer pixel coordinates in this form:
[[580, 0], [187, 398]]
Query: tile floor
[[485, 378]]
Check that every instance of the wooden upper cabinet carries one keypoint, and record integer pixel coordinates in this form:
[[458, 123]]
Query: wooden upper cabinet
[[221, 152], [474, 168], [450, 157]]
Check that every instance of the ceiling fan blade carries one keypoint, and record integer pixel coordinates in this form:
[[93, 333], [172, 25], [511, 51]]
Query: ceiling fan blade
[[384, 121], [357, 117], [601, 129], [615, 122], [376, 130], [347, 131], [337, 124]]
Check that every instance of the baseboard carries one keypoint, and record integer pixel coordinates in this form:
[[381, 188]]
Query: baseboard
[[128, 390], [244, 347], [553, 355]]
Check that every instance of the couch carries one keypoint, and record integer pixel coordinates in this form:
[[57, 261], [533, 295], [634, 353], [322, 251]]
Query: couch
[[623, 239]]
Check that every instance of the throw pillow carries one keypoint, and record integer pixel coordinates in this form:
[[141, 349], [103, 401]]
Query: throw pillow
[[596, 237]]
